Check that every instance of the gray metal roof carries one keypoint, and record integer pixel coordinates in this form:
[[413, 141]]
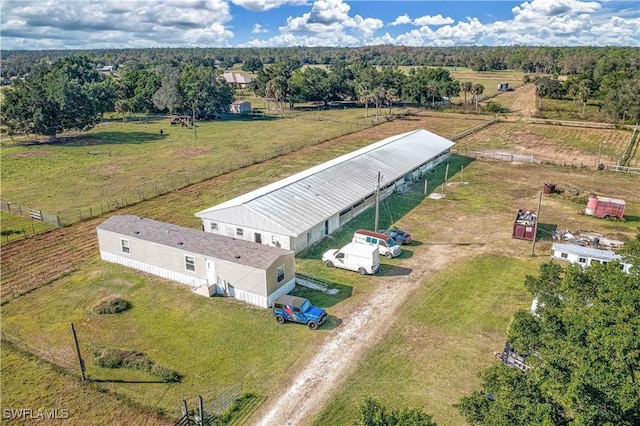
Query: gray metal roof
[[293, 205], [605, 255], [193, 241]]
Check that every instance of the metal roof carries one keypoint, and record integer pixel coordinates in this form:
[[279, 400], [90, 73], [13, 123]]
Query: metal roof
[[605, 255], [193, 241], [295, 204]]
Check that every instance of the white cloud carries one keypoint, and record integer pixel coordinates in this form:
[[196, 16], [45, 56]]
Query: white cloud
[[330, 20], [263, 5], [400, 20], [60, 24], [258, 29], [73, 24], [433, 20], [540, 10]]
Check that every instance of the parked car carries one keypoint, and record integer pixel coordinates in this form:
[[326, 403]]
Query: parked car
[[388, 246], [362, 258], [400, 236], [298, 309]]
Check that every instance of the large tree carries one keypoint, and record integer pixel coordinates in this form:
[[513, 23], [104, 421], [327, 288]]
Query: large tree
[[203, 90], [583, 349], [372, 413], [53, 99]]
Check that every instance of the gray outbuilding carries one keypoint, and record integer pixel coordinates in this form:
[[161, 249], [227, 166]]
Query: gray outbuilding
[[297, 212], [210, 264]]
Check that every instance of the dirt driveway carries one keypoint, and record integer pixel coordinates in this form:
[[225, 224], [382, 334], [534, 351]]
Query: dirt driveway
[[348, 344]]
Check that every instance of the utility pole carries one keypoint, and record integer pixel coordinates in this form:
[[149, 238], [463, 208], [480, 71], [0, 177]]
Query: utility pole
[[535, 229], [375, 227], [599, 153], [80, 360]]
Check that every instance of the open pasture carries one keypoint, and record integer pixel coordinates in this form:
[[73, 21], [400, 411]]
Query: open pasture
[[167, 322], [122, 163], [437, 343], [577, 146]]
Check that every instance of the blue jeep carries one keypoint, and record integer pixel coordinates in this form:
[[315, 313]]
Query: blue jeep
[[298, 309]]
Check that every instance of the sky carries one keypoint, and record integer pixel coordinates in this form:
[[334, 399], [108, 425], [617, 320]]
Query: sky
[[116, 24]]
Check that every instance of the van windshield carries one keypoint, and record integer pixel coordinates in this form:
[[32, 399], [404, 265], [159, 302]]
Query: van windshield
[[391, 242]]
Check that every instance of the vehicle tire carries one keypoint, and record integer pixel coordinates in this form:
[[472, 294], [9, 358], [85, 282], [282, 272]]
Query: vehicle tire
[[280, 319], [329, 264], [388, 255], [362, 271], [313, 325]]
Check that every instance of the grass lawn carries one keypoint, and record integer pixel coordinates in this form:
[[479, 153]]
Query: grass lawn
[[30, 383], [444, 335], [213, 343], [110, 165], [15, 227]]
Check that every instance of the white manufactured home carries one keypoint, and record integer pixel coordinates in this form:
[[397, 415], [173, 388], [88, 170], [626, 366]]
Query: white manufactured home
[[297, 212], [210, 264], [586, 256]]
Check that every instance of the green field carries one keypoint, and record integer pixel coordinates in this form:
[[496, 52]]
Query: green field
[[122, 163], [440, 340]]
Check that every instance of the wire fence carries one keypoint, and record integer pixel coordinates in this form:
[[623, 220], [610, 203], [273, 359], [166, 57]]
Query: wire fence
[[65, 358], [530, 158], [166, 185]]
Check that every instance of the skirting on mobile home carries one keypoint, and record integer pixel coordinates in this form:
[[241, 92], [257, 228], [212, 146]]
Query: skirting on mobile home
[[210, 264], [296, 212]]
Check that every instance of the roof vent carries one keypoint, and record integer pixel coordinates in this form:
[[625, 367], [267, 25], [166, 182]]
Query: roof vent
[[136, 232], [180, 243], [237, 256]]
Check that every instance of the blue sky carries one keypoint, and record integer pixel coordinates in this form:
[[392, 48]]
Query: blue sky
[[87, 24]]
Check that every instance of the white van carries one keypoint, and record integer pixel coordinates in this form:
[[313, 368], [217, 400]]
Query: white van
[[363, 258], [388, 246]]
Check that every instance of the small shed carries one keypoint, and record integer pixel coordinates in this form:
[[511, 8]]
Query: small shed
[[240, 107], [503, 87], [586, 256], [210, 264]]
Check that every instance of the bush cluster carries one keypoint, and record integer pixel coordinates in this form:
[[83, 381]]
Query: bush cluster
[[118, 358], [111, 305]]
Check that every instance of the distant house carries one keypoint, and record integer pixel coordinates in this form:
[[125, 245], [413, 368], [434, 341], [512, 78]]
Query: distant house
[[503, 87], [107, 68], [237, 80], [209, 264], [241, 107]]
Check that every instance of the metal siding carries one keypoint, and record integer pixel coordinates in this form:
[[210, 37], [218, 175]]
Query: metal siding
[[285, 289], [301, 201], [152, 269], [151, 254], [243, 278]]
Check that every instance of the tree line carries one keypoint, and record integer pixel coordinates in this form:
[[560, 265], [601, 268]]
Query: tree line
[[68, 93], [543, 59]]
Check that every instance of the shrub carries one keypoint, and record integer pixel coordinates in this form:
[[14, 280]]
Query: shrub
[[111, 305], [133, 360], [166, 374]]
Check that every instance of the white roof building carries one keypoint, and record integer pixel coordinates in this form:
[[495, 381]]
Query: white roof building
[[300, 210]]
